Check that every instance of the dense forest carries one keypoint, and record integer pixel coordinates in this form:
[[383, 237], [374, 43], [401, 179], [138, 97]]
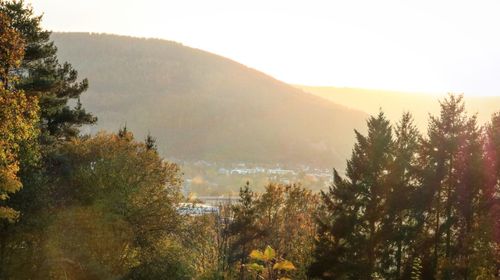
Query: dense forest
[[411, 205]]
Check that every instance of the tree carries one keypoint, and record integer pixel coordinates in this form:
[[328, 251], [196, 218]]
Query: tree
[[41, 75], [199, 238], [453, 177], [270, 208], [37, 76], [243, 230], [18, 119], [492, 163], [112, 212], [350, 218], [485, 258], [18, 116], [401, 224], [286, 218]]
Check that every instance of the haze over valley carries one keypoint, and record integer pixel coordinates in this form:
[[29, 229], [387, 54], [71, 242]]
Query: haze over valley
[[245, 140], [209, 113], [202, 106], [395, 103]]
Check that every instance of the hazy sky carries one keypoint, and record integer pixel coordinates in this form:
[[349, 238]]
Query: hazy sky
[[424, 46]]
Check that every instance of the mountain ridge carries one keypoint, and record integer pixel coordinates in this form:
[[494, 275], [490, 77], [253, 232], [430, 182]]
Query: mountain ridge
[[202, 106], [394, 103]]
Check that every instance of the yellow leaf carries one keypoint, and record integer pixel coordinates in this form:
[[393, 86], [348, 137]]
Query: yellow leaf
[[257, 255], [269, 253], [284, 265]]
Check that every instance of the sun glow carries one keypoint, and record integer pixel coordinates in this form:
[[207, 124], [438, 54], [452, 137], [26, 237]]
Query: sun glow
[[423, 46]]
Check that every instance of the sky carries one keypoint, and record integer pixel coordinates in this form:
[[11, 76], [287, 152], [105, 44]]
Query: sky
[[431, 46]]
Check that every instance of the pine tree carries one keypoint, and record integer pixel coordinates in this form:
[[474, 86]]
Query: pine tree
[[400, 224], [485, 258], [337, 249], [243, 230], [47, 95], [350, 219], [453, 178], [41, 75], [491, 191]]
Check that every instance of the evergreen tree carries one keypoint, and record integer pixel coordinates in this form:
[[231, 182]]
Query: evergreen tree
[[243, 230], [453, 178], [38, 75], [351, 217], [337, 248], [41, 75], [400, 224], [485, 259]]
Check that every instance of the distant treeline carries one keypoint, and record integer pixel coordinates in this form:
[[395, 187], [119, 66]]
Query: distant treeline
[[410, 206]]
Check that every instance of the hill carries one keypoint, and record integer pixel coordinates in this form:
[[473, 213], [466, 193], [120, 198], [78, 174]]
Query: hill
[[394, 103], [201, 106]]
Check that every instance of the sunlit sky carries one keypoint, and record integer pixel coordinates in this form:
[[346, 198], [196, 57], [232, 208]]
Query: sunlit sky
[[428, 46]]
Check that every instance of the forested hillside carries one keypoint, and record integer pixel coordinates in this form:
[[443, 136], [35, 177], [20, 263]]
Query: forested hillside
[[203, 106]]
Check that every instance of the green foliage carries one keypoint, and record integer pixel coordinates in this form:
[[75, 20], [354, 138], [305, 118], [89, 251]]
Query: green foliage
[[244, 228], [402, 221], [104, 207], [112, 214], [205, 242], [168, 261], [416, 269], [282, 216], [414, 206], [41, 75], [351, 216], [453, 179], [130, 185]]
